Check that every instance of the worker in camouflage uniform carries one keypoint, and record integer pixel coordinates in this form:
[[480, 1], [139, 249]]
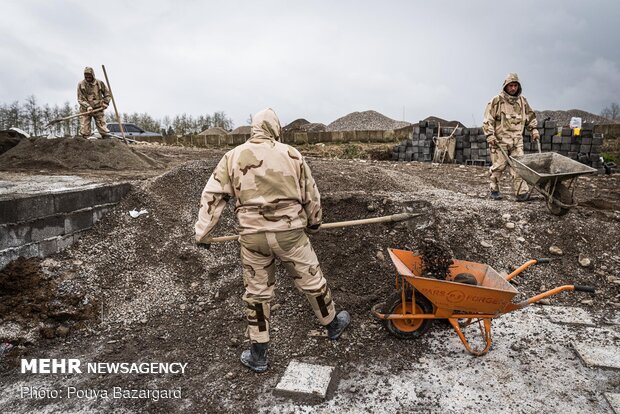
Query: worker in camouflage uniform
[[505, 118], [277, 203], [93, 94]]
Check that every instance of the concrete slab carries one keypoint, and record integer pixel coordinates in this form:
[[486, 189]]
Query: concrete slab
[[614, 401], [27, 184], [305, 381], [568, 315], [598, 356]]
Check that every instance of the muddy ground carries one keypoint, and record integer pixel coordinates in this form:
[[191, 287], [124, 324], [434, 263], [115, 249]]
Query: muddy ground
[[136, 290]]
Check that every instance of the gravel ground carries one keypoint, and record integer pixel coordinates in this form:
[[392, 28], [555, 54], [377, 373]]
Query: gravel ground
[[154, 297]]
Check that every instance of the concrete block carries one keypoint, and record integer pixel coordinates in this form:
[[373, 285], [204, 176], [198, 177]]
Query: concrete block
[[598, 356], [48, 227], [566, 140], [14, 235], [614, 401], [466, 152], [567, 131], [545, 146], [48, 246], [586, 141], [545, 140], [29, 208], [556, 139], [78, 221], [584, 149], [474, 145], [568, 315], [74, 200], [565, 147]]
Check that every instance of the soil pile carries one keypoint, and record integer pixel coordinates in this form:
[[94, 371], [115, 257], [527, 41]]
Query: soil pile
[[214, 131], [562, 118], [244, 129], [302, 125], [75, 153], [295, 125], [365, 121]]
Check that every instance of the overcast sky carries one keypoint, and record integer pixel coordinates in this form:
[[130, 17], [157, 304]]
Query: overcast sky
[[317, 60]]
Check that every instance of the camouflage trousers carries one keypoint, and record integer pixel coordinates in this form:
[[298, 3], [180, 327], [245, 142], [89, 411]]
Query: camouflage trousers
[[258, 256], [499, 164], [85, 129]]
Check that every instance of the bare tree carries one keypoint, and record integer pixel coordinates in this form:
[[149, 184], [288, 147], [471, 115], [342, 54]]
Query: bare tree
[[33, 113], [611, 112]]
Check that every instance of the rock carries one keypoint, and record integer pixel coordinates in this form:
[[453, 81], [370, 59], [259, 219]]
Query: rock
[[230, 375], [510, 225], [143, 321], [616, 282], [380, 256], [194, 284], [556, 250], [584, 261], [62, 331], [371, 207], [520, 239], [544, 302], [276, 306], [506, 216], [549, 231], [587, 301], [183, 306], [615, 304], [47, 332], [610, 279], [485, 244], [233, 342]]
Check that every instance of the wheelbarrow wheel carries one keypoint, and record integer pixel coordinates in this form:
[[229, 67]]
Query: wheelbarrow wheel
[[560, 193], [408, 328]]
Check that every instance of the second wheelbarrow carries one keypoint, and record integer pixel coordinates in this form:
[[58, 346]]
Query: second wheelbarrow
[[552, 175], [420, 300]]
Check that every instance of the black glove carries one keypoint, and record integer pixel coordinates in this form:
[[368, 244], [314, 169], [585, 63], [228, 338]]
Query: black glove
[[206, 246], [313, 228]]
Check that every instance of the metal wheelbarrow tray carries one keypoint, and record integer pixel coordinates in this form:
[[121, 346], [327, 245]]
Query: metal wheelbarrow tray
[[553, 176], [420, 300]]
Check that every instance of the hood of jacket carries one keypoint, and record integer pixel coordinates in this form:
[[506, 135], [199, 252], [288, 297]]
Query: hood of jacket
[[266, 125], [512, 77]]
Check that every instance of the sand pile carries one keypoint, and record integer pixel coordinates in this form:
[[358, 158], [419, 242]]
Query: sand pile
[[365, 121], [75, 153]]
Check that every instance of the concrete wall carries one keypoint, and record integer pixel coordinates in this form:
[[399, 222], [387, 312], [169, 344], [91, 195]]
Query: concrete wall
[[45, 223]]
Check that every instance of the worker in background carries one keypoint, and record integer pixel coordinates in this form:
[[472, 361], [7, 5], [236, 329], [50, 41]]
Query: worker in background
[[277, 203], [92, 94], [505, 118]]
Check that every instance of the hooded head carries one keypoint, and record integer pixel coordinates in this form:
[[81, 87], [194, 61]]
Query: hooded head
[[266, 125], [89, 74], [511, 79]]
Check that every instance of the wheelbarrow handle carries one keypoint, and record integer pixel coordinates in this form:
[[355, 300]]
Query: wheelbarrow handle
[[583, 288], [525, 266]]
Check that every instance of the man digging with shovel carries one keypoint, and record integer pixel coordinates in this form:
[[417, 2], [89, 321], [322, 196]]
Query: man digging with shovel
[[277, 202], [93, 97]]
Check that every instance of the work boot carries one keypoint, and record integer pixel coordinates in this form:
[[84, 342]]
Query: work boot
[[495, 195], [338, 324], [255, 358], [522, 197]]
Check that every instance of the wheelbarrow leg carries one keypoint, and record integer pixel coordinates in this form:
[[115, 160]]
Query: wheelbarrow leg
[[486, 334]]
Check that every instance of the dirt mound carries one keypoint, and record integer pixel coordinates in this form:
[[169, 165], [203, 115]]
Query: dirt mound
[[562, 118], [40, 298], [245, 129], [74, 153], [214, 131], [295, 125], [365, 121], [314, 127]]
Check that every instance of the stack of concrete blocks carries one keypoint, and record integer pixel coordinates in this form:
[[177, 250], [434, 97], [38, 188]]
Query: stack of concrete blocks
[[585, 147], [419, 145], [472, 147], [37, 225]]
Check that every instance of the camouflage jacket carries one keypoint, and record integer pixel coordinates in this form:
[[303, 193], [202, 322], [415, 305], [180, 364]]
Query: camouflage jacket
[[507, 116], [271, 182], [92, 94]]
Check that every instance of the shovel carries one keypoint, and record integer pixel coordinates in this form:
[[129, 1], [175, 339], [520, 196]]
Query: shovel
[[383, 219], [55, 121]]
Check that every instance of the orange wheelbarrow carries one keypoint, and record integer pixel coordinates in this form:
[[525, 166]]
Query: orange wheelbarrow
[[410, 311]]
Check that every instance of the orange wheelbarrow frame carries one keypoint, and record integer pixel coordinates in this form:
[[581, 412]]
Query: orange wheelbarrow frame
[[456, 301]]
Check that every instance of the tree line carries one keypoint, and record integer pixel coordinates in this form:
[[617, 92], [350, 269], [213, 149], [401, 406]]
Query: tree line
[[33, 117]]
